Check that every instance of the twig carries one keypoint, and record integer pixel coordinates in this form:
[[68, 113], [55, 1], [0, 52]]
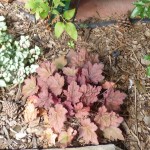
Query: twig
[[136, 58], [135, 109], [138, 141], [18, 91]]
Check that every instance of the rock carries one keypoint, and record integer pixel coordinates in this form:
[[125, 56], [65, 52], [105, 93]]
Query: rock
[[99, 147], [147, 33], [147, 120], [135, 42]]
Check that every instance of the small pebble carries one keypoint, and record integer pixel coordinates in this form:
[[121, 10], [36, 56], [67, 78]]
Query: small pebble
[[135, 42], [147, 33]]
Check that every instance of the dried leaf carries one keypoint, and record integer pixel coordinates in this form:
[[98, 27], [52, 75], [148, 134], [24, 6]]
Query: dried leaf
[[45, 70], [113, 133], [81, 111], [56, 83], [93, 73], [114, 99], [66, 137], [30, 88], [30, 113], [57, 117], [49, 136], [73, 94], [60, 62], [87, 131], [20, 135], [90, 93], [106, 119]]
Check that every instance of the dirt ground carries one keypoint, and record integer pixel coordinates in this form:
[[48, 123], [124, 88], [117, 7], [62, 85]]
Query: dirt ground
[[120, 49]]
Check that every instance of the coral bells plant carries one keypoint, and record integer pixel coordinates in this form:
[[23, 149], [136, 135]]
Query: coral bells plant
[[74, 101]]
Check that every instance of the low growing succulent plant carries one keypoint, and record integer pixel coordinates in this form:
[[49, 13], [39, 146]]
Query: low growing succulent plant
[[16, 57], [74, 101]]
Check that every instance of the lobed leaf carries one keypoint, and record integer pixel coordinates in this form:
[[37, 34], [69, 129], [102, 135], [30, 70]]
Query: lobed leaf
[[45, 99], [73, 93], [89, 94], [57, 117], [93, 73], [87, 131], [106, 119], [30, 88], [114, 99], [113, 133], [81, 112], [45, 70], [56, 83]]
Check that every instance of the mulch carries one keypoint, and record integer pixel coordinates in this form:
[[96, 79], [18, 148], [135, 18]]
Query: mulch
[[120, 49]]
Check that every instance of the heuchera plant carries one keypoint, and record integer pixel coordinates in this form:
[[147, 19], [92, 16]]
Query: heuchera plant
[[77, 103]]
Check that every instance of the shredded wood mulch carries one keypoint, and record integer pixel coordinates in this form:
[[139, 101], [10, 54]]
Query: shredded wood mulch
[[120, 49]]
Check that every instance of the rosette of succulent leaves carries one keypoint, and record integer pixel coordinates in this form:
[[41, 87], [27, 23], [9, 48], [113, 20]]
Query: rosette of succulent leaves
[[71, 102], [17, 59]]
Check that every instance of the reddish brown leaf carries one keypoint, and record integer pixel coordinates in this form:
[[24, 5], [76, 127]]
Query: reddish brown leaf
[[114, 99], [70, 73], [56, 83], [105, 119], [87, 131], [57, 117], [113, 133], [116, 120], [73, 94], [81, 111], [89, 94], [77, 59], [41, 83], [45, 99], [45, 70], [93, 73], [30, 87]]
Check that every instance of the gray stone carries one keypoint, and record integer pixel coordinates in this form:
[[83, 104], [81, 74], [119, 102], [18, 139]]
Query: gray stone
[[99, 147]]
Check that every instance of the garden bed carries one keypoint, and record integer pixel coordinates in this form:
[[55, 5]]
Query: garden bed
[[120, 49]]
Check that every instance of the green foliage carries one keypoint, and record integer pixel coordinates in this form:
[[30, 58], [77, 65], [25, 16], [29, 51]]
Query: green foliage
[[69, 14], [42, 9], [38, 7], [147, 57], [142, 9], [59, 29], [16, 57], [71, 44]]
